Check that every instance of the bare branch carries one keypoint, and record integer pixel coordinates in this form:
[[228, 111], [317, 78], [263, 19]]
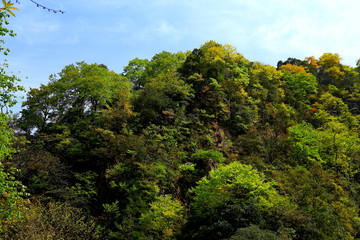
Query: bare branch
[[44, 7]]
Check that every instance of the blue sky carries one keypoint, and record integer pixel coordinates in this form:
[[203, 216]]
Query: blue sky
[[113, 32]]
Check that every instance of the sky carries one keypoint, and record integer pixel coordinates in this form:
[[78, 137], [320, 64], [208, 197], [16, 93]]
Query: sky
[[113, 32]]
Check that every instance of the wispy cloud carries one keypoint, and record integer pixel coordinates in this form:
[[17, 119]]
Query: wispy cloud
[[42, 27]]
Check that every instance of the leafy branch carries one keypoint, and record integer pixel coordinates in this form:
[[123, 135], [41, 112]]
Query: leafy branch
[[8, 6]]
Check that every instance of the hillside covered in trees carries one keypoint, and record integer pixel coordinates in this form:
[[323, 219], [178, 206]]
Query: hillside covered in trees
[[203, 144]]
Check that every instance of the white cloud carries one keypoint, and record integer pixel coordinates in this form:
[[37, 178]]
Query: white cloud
[[292, 28], [71, 39], [164, 28], [42, 27]]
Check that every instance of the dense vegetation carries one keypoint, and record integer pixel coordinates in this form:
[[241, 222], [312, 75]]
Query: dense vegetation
[[197, 145]]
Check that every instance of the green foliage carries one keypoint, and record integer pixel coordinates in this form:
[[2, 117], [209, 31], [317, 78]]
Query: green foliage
[[164, 218], [218, 75], [212, 155], [9, 87], [265, 83], [54, 220], [206, 160], [140, 71], [8, 83], [300, 86], [135, 71], [187, 167], [11, 190], [235, 196], [6, 137], [305, 143], [322, 199], [84, 190], [8, 6], [339, 146], [333, 105], [4, 31], [162, 98], [79, 91], [253, 232], [233, 183], [42, 172], [12, 193], [196, 145]]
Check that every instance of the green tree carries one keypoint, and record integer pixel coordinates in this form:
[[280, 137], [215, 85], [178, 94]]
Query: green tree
[[70, 113], [148, 166], [139, 71], [42, 172], [253, 232], [232, 183], [78, 92], [54, 221], [135, 71], [330, 69], [265, 82], [162, 99], [8, 89], [206, 160], [340, 147], [219, 75], [299, 86], [326, 209], [8, 83], [12, 191], [164, 218], [235, 196], [305, 143]]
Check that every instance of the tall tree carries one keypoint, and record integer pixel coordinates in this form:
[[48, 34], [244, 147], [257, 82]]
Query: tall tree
[[78, 92], [11, 190]]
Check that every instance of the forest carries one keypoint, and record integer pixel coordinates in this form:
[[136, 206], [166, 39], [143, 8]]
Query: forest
[[203, 144]]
